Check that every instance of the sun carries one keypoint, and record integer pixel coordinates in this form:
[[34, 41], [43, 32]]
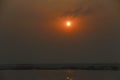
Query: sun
[[68, 23]]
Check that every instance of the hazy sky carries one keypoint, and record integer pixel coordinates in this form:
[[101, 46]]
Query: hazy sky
[[31, 31]]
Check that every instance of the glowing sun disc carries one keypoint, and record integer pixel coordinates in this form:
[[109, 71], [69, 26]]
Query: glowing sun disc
[[68, 23]]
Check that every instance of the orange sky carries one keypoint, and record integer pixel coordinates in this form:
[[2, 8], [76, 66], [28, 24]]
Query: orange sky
[[35, 25]]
